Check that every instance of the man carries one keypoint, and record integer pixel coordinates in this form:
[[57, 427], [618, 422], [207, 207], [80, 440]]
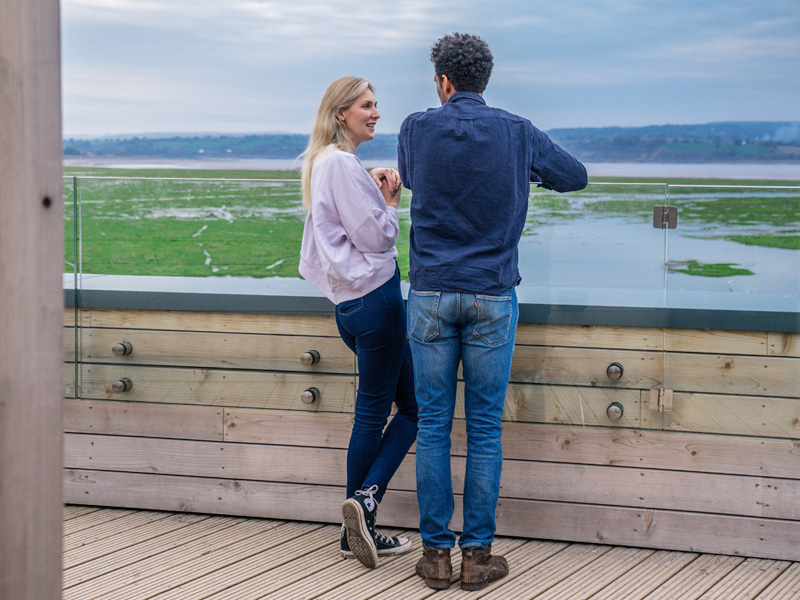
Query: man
[[469, 167]]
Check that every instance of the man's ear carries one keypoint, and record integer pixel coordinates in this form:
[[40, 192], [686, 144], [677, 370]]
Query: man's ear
[[447, 85]]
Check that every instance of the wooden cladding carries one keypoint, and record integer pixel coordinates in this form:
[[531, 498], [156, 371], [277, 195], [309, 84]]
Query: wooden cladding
[[214, 421]]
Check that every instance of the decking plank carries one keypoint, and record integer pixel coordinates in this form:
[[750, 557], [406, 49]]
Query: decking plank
[[786, 585], [265, 540], [138, 555], [244, 579], [646, 576], [113, 561], [101, 531], [93, 519], [597, 575], [521, 558], [337, 573], [697, 578], [153, 529], [537, 580], [305, 565], [152, 566], [73, 511], [747, 580]]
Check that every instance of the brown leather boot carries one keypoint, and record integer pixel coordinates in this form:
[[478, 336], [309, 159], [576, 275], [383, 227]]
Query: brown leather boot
[[479, 568], [435, 567]]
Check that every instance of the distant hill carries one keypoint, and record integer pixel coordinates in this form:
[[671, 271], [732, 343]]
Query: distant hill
[[712, 142]]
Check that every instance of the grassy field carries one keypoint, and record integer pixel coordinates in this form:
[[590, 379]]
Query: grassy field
[[135, 222]]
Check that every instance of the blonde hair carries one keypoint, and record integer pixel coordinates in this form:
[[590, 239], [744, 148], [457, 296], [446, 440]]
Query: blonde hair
[[327, 128]]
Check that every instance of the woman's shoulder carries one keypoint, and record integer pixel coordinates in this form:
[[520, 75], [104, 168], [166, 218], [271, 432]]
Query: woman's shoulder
[[333, 158]]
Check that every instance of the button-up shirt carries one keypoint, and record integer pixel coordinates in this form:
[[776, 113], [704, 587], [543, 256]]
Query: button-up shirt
[[469, 167]]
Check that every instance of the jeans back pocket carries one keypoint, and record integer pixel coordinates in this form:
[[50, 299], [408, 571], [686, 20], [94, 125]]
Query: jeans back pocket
[[348, 307], [423, 315], [494, 319]]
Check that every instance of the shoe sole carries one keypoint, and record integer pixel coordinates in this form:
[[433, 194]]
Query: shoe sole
[[391, 552], [358, 537], [472, 587], [437, 584]]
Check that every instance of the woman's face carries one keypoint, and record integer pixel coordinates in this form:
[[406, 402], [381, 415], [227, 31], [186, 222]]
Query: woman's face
[[360, 118]]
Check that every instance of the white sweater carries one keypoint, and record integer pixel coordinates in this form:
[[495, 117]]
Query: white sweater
[[349, 238]]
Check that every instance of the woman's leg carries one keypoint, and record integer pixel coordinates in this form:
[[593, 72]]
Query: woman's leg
[[374, 328], [400, 434]]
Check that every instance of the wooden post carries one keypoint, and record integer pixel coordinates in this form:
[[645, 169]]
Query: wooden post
[[31, 301]]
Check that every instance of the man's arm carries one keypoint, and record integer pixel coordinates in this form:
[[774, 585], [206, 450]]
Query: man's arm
[[555, 169], [402, 155]]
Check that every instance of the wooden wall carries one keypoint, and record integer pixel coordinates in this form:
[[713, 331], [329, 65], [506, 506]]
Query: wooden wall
[[214, 423]]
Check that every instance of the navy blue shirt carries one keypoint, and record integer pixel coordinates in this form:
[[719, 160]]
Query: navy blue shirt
[[469, 167]]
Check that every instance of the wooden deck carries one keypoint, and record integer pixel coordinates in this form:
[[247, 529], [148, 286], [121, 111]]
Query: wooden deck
[[114, 554]]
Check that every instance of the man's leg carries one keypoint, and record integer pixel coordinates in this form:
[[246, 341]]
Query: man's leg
[[486, 350], [435, 348]]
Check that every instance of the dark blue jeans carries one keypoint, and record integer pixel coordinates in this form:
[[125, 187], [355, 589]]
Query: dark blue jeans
[[374, 327]]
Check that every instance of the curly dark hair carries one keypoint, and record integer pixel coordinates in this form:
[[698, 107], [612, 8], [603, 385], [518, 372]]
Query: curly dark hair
[[465, 59]]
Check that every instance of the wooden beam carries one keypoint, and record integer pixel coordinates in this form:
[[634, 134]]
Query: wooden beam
[[31, 313], [623, 526]]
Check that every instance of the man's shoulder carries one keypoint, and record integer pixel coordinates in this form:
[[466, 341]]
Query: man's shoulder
[[421, 115], [502, 113]]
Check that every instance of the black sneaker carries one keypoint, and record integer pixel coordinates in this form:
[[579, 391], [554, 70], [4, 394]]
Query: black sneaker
[[386, 545], [359, 514]]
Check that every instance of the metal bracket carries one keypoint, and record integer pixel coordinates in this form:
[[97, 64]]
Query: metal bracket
[[661, 399], [665, 217]]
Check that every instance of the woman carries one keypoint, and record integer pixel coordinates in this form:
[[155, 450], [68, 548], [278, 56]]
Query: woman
[[348, 253]]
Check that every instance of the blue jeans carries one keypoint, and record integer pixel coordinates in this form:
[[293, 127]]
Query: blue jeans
[[374, 327], [479, 331]]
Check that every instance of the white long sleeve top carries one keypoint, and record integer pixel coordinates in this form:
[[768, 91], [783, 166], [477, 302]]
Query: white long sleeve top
[[350, 235]]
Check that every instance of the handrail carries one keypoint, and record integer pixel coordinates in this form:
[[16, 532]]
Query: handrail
[[288, 180]]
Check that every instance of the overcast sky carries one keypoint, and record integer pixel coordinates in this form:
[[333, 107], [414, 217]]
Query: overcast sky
[[254, 66]]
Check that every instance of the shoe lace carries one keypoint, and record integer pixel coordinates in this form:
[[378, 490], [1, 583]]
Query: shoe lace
[[384, 539], [370, 491]]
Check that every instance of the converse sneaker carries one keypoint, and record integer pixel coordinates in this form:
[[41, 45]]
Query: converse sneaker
[[386, 545], [359, 514]]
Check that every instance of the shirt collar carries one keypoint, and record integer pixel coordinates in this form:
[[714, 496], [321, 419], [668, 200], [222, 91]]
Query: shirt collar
[[467, 96]]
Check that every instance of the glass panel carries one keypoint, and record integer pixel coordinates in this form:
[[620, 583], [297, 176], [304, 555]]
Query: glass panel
[[735, 247], [70, 281], [733, 304], [593, 258], [190, 227], [595, 247]]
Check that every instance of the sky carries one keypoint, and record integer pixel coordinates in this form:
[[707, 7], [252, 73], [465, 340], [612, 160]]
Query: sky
[[260, 66]]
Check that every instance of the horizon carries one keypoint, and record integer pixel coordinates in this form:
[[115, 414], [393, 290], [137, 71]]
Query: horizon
[[169, 134]]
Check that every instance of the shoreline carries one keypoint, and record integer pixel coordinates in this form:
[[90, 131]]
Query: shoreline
[[745, 170]]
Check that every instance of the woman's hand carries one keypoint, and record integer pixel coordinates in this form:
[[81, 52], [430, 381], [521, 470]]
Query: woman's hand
[[388, 181]]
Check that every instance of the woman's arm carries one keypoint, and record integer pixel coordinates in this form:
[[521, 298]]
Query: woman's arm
[[368, 217]]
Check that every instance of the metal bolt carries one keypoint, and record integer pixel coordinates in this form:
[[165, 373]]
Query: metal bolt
[[310, 358]]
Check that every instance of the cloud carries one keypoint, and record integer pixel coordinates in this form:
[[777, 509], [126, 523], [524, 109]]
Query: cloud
[[262, 64]]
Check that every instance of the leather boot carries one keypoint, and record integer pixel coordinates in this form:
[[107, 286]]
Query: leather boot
[[435, 567], [479, 568]]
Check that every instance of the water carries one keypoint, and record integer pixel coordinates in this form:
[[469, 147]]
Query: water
[[616, 253], [773, 171]]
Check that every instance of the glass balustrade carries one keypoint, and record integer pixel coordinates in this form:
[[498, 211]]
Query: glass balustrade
[[605, 256]]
